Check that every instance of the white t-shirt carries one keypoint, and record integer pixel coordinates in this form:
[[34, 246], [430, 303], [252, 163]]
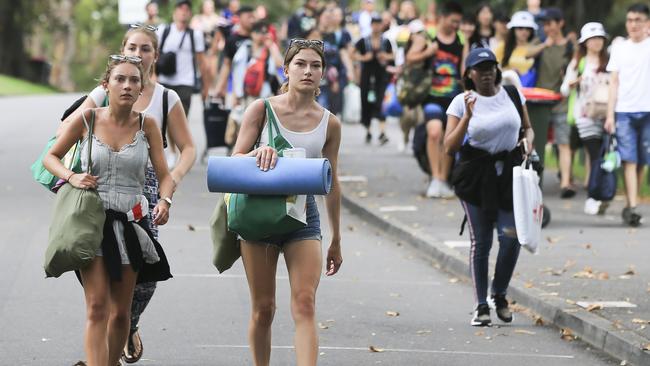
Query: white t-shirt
[[154, 109], [632, 61], [495, 123], [184, 61], [365, 24]]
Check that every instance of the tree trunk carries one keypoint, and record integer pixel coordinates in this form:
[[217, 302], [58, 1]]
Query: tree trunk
[[12, 20], [64, 45]]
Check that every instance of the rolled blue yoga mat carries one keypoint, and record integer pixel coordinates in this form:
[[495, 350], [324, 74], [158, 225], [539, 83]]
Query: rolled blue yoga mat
[[290, 176]]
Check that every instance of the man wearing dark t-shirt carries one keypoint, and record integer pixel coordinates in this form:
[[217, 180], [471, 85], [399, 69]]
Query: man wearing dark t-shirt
[[303, 20], [243, 32], [441, 49]]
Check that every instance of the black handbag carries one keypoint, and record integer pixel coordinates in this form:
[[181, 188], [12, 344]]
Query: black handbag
[[166, 64], [215, 120]]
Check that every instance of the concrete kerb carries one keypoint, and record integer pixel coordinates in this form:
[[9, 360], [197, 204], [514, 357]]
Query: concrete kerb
[[599, 332]]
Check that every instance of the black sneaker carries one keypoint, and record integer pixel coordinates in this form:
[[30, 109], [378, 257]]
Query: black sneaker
[[481, 316], [567, 193], [383, 140], [631, 217], [368, 137], [502, 309]]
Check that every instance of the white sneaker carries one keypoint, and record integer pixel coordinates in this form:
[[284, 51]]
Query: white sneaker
[[434, 189], [445, 191], [592, 206]]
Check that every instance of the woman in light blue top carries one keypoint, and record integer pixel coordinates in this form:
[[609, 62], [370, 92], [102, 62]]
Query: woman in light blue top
[[122, 142]]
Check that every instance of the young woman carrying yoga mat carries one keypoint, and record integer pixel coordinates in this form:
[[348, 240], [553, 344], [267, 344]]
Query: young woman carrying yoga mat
[[304, 124]]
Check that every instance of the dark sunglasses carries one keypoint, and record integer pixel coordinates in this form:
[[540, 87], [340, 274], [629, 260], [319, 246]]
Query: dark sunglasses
[[148, 27], [309, 43], [131, 59]]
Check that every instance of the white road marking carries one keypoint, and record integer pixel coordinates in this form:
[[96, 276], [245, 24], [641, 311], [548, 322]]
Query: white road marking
[[457, 243], [398, 209], [606, 304], [353, 179], [324, 279], [403, 350]]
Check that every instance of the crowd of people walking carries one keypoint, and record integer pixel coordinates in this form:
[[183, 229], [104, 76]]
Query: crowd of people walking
[[476, 92]]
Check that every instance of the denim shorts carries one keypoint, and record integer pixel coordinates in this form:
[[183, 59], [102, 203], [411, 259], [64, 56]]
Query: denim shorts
[[561, 128], [633, 136], [309, 232]]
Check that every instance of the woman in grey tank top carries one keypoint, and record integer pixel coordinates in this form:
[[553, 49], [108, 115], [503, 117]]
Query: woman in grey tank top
[[305, 124], [122, 143]]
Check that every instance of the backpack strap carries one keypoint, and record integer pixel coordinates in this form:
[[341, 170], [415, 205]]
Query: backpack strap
[[165, 34], [191, 31], [513, 94], [165, 107]]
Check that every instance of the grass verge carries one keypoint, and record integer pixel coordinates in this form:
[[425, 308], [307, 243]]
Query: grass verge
[[13, 86]]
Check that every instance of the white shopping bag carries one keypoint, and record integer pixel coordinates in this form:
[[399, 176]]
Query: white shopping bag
[[527, 206], [351, 104]]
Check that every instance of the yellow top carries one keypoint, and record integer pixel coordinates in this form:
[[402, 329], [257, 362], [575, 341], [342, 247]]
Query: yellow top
[[518, 60]]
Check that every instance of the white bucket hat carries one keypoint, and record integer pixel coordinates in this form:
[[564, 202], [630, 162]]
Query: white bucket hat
[[590, 30], [522, 19]]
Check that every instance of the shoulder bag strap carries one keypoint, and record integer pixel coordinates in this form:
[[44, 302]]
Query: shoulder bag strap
[[271, 125], [90, 140], [164, 35], [516, 100], [191, 31], [165, 107]]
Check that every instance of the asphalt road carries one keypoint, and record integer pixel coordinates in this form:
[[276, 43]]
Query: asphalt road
[[200, 318]]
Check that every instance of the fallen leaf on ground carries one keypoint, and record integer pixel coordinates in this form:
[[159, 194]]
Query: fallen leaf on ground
[[375, 349], [553, 284], [479, 334], [623, 363], [570, 302], [423, 331], [646, 347], [586, 272], [640, 321], [566, 334], [453, 280], [603, 276], [528, 285], [617, 324], [362, 194], [624, 277], [570, 263], [323, 326], [587, 246], [451, 214], [190, 227], [523, 331], [552, 240], [393, 294], [538, 321], [392, 313], [631, 271], [594, 307]]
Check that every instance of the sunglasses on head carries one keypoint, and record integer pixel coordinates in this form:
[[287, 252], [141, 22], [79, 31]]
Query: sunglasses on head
[[132, 59], [148, 27], [310, 43]]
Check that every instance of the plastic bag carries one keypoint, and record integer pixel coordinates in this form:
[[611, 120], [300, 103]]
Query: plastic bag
[[351, 104], [527, 206]]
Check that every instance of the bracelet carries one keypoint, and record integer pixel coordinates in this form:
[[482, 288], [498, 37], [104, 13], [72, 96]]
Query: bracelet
[[70, 176]]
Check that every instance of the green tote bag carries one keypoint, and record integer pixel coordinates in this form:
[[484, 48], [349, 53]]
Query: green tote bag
[[224, 242], [77, 227], [256, 217]]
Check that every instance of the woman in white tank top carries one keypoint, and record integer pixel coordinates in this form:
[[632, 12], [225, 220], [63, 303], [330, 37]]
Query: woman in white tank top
[[304, 123]]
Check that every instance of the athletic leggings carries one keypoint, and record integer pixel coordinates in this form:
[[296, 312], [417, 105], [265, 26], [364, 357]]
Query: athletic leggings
[[481, 231]]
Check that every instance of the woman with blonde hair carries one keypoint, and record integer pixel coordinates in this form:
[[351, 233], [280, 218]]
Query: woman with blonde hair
[[304, 124]]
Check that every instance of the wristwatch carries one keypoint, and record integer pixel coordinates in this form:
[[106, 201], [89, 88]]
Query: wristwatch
[[168, 200]]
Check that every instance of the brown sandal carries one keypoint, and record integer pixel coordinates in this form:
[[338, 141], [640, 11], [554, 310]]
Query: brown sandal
[[133, 349]]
